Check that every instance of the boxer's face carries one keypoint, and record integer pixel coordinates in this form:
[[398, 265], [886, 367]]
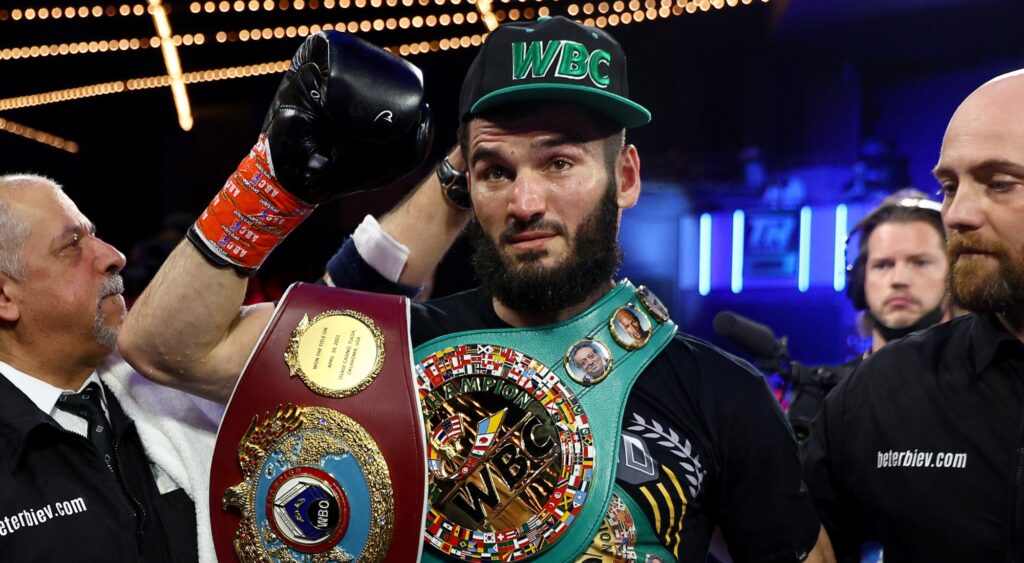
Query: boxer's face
[[547, 205], [71, 293], [535, 181]]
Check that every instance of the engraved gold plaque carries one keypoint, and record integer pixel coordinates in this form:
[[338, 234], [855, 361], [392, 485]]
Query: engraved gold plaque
[[338, 353]]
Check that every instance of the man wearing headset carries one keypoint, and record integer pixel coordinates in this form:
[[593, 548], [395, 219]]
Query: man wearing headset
[[899, 275], [897, 278]]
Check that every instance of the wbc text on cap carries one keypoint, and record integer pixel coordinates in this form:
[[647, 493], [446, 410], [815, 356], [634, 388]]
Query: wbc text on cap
[[536, 60], [551, 59]]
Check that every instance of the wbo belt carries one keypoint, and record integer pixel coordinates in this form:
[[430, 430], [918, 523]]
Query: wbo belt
[[523, 428], [320, 455]]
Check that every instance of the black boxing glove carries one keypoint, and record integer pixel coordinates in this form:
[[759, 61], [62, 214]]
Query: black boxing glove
[[347, 117]]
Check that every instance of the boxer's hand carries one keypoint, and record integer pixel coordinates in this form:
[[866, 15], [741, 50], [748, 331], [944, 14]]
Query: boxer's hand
[[347, 117]]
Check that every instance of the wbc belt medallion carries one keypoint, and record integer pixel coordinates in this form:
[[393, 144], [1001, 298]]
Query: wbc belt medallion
[[510, 453]]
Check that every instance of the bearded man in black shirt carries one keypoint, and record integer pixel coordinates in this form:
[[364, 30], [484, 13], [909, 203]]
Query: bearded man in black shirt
[[920, 451], [641, 463]]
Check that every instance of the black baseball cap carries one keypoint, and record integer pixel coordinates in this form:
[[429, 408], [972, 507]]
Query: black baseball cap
[[551, 59]]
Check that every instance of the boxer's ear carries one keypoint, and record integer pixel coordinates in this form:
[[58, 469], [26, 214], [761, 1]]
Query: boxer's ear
[[627, 181]]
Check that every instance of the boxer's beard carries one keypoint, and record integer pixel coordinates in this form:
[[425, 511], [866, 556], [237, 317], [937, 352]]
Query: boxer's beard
[[979, 288], [523, 284], [104, 334]]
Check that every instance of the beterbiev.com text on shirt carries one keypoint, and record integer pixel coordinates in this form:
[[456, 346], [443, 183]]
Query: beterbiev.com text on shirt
[[915, 458], [34, 516]]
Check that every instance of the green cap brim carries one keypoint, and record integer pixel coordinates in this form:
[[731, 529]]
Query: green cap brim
[[627, 112]]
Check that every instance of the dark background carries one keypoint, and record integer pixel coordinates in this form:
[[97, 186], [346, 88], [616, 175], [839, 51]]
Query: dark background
[[810, 87]]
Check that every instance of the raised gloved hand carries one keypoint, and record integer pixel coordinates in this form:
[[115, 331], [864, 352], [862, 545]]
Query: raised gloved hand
[[347, 117]]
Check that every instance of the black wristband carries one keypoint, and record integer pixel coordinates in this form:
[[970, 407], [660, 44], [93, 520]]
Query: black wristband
[[212, 257], [454, 185]]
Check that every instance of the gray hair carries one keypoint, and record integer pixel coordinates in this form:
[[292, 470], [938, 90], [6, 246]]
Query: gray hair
[[13, 229]]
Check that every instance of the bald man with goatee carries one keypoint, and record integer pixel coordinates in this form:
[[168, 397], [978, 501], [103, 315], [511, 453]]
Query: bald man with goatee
[[920, 452], [96, 462]]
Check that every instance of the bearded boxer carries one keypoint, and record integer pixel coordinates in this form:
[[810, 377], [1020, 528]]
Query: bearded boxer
[[526, 461], [940, 410]]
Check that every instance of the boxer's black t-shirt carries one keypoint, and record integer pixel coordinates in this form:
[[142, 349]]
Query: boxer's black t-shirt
[[704, 444]]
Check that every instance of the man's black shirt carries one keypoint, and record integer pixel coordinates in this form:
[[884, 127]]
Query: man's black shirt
[[704, 444], [59, 500], [922, 449]]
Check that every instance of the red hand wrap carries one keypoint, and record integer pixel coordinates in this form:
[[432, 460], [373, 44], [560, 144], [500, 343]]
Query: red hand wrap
[[252, 213]]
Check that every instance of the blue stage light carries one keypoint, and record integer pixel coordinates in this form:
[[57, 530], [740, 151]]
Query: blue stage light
[[738, 227], [804, 265], [704, 279]]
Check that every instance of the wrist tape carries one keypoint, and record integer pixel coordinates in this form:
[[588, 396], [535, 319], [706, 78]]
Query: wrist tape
[[250, 215]]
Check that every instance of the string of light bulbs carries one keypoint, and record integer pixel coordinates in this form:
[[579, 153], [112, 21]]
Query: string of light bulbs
[[102, 46], [365, 25], [69, 12], [198, 77], [618, 12], [208, 7], [38, 136], [241, 6], [254, 34]]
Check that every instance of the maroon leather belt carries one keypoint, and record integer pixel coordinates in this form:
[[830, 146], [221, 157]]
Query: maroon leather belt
[[322, 451]]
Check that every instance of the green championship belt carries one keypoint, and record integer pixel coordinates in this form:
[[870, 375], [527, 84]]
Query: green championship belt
[[625, 536], [523, 428]]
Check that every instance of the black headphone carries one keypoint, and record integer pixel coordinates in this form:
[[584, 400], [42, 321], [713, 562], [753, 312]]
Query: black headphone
[[903, 210]]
